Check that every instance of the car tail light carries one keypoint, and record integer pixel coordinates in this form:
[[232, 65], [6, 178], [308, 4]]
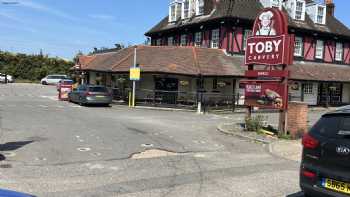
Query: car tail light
[[308, 174], [88, 94], [309, 141]]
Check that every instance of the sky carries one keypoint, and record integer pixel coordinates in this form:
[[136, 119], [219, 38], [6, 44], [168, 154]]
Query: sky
[[64, 27]]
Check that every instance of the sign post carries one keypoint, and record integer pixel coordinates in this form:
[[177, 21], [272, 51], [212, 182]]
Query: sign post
[[270, 46], [135, 75]]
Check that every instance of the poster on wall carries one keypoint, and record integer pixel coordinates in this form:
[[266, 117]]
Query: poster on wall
[[269, 95]]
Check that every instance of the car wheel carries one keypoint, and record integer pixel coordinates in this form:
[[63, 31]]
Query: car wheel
[[44, 83]]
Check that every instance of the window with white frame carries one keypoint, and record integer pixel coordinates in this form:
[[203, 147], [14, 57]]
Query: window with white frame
[[183, 41], [186, 9], [339, 52], [319, 49], [308, 88], [173, 12], [198, 39], [299, 10], [170, 41], [247, 33], [320, 14], [215, 37], [298, 48], [200, 7], [276, 3]]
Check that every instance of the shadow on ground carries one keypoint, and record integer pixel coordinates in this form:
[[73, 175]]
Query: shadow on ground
[[11, 146], [299, 194]]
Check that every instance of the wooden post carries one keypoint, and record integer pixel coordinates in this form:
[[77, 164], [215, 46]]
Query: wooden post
[[249, 109], [282, 126]]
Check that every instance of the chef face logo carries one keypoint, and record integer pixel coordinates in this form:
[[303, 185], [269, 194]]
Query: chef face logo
[[266, 26]]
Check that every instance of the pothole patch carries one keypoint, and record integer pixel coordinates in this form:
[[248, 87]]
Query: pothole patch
[[147, 145], [153, 153], [96, 154], [5, 166], [84, 149], [9, 154]]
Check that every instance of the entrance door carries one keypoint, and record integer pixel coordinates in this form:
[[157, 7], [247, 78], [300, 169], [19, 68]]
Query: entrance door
[[330, 94], [167, 89]]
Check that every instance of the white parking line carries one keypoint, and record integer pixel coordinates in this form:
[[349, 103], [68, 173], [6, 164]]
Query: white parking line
[[43, 106]]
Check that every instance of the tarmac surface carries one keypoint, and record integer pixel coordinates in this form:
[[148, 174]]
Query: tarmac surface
[[56, 148]]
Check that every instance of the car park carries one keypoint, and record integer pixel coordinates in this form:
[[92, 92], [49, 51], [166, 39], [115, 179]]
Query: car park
[[53, 79], [91, 94], [325, 166], [64, 82]]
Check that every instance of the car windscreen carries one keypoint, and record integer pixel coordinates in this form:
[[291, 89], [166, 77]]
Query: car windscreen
[[333, 126], [98, 89]]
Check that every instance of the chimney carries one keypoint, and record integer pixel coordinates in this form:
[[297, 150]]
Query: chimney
[[330, 7]]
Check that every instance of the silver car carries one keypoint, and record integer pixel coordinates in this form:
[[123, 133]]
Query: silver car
[[90, 94], [53, 79]]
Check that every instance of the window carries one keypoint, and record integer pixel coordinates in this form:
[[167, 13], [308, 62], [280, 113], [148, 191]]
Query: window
[[215, 37], [275, 3], [215, 84], [320, 15], [173, 12], [247, 33], [299, 10], [170, 41], [319, 49], [308, 88], [298, 50], [339, 52], [186, 9], [200, 7], [183, 41], [158, 42], [198, 39]]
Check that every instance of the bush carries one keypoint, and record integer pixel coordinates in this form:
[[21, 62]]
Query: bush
[[254, 124]]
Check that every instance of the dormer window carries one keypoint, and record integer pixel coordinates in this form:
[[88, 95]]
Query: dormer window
[[275, 3], [175, 10], [321, 13], [186, 9], [199, 7], [300, 10]]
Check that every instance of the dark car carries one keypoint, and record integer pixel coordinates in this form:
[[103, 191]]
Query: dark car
[[325, 166], [91, 94]]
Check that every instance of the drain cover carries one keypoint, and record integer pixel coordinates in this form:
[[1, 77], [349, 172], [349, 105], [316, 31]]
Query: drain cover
[[5, 166]]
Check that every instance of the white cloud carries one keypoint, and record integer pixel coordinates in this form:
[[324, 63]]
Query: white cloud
[[102, 17], [46, 9]]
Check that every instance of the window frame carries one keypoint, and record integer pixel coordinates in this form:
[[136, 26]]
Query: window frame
[[246, 34], [336, 57], [171, 41], [215, 43], [300, 54], [186, 12], [199, 7], [318, 14], [196, 40], [302, 12], [318, 44], [183, 37], [308, 88]]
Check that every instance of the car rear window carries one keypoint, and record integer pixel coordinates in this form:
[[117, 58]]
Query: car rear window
[[97, 89], [67, 82], [331, 126]]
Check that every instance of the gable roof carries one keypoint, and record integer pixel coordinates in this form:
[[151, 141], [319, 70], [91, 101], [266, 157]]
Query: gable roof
[[248, 10]]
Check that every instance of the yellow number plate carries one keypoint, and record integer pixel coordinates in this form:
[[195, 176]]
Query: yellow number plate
[[336, 185], [100, 96]]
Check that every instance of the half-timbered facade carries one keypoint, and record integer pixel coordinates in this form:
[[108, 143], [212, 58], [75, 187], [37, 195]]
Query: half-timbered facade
[[322, 41]]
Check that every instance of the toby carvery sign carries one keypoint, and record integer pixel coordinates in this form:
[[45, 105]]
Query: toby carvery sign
[[270, 42]]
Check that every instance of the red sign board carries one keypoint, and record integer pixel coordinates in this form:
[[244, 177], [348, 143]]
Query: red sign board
[[266, 73], [64, 91], [271, 95], [270, 43]]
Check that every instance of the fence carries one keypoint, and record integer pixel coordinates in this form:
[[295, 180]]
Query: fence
[[180, 99]]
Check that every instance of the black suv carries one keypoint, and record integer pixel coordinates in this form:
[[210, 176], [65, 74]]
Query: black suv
[[325, 166]]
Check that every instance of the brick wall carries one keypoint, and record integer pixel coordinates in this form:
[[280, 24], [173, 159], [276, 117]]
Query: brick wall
[[297, 119]]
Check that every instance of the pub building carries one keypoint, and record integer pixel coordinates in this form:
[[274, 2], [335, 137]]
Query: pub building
[[200, 46]]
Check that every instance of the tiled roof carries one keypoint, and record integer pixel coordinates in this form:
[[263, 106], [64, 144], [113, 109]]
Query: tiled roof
[[175, 60], [249, 9], [203, 61]]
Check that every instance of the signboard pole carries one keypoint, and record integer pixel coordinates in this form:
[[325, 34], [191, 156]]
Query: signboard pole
[[134, 82]]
